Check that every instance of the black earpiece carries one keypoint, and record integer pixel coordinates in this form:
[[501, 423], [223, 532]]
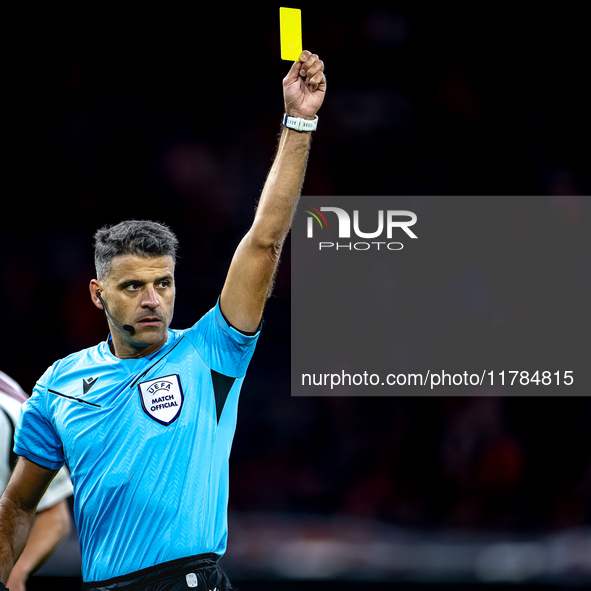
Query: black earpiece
[[126, 327]]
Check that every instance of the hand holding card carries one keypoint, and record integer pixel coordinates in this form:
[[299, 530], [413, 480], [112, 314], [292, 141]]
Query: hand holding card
[[304, 86]]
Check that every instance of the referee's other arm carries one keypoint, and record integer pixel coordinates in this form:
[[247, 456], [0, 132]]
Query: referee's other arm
[[253, 266], [17, 510]]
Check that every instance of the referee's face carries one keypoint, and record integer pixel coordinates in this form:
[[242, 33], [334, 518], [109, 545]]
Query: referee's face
[[139, 292]]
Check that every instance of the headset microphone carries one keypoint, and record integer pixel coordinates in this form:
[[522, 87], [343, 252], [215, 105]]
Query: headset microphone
[[126, 327]]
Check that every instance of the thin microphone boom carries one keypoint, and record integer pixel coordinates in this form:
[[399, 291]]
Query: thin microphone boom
[[126, 327]]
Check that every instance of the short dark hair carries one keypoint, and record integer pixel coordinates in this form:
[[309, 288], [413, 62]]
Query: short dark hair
[[142, 238]]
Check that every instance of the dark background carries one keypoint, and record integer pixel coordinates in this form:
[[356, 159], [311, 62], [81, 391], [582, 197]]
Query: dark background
[[172, 114]]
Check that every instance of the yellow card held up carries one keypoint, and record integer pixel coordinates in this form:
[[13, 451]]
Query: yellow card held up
[[290, 26]]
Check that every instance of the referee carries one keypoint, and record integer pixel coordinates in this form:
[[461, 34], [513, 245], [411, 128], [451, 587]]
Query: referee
[[145, 420]]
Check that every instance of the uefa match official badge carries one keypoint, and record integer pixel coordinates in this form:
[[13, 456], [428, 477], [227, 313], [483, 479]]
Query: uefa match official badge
[[162, 398]]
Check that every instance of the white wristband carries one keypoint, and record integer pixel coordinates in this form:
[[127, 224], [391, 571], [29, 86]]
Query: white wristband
[[299, 124]]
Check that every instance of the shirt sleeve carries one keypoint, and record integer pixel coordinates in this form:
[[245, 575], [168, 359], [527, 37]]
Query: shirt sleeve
[[223, 348], [35, 437]]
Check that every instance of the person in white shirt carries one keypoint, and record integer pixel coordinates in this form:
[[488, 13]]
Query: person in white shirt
[[52, 522]]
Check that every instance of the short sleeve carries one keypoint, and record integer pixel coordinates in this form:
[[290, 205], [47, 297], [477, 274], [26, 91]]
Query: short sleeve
[[35, 437], [223, 348]]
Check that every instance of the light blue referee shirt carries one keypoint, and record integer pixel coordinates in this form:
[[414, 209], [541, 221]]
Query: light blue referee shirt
[[147, 443]]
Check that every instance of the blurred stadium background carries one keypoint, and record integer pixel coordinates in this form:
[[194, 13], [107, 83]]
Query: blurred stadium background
[[173, 115]]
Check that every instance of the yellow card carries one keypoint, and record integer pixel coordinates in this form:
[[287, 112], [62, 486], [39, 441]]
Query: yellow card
[[290, 26]]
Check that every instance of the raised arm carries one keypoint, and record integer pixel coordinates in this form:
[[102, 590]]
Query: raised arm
[[17, 510], [253, 266]]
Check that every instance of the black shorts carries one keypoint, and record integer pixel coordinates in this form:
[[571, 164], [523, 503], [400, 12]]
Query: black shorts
[[199, 572]]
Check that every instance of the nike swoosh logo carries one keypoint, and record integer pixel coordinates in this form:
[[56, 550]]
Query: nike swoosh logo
[[88, 384]]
